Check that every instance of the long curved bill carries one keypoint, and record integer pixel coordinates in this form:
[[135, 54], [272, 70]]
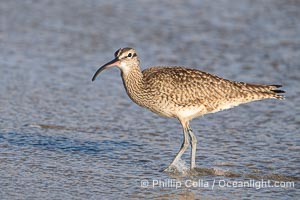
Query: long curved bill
[[112, 63]]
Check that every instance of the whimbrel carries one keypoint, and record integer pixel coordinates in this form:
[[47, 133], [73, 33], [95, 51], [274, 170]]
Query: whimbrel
[[183, 93]]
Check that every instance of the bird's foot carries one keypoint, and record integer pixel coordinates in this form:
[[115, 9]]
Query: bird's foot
[[171, 169], [193, 170]]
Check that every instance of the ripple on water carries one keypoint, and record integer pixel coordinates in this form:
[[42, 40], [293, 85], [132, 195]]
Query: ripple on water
[[64, 137]]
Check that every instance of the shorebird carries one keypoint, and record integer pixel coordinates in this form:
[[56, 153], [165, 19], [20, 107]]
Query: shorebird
[[183, 93]]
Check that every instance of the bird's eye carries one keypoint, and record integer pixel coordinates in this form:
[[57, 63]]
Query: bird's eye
[[129, 55]]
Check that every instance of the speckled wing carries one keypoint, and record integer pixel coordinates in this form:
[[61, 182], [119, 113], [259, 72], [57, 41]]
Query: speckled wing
[[187, 87], [190, 87]]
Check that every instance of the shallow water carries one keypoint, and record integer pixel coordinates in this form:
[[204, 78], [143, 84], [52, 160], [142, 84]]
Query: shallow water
[[64, 137]]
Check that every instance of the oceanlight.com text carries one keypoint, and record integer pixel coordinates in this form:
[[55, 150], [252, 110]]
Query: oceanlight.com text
[[216, 183]]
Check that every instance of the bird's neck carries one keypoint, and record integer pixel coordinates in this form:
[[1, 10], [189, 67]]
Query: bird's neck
[[134, 84]]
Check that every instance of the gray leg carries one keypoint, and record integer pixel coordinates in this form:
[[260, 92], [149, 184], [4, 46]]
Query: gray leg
[[183, 148], [193, 141]]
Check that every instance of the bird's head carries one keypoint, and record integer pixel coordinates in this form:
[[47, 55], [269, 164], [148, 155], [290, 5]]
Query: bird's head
[[125, 59]]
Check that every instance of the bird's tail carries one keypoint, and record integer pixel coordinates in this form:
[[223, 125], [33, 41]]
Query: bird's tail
[[264, 91]]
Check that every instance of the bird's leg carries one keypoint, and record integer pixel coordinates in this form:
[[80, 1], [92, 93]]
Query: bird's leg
[[184, 146], [193, 142]]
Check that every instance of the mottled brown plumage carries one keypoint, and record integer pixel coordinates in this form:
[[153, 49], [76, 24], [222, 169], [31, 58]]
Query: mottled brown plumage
[[183, 93]]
